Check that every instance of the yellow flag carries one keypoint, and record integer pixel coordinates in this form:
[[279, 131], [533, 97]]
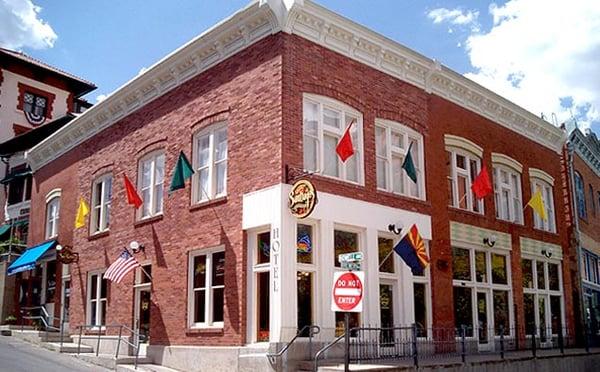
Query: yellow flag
[[537, 204], [82, 212]]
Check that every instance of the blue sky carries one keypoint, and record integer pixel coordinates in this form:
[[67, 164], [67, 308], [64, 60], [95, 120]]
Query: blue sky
[[498, 44]]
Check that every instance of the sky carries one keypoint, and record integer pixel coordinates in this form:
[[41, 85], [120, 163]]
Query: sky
[[541, 54]]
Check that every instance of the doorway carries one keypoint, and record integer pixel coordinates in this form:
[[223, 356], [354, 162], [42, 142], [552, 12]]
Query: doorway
[[482, 321]]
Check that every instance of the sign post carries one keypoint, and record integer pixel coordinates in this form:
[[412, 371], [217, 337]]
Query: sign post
[[347, 295]]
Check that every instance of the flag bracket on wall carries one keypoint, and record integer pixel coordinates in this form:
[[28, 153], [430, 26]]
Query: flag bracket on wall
[[293, 174]]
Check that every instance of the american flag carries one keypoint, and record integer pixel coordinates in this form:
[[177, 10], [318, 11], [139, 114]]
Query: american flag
[[118, 269]]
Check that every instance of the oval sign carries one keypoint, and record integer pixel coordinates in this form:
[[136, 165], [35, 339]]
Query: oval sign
[[302, 199]]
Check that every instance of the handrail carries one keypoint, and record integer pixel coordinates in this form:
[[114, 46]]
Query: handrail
[[135, 335], [324, 349], [44, 318], [311, 332]]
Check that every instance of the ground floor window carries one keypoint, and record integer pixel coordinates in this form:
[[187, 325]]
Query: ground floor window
[[305, 300], [592, 309], [97, 294], [207, 286]]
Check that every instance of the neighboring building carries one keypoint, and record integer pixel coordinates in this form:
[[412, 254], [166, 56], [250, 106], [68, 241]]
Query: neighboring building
[[584, 169], [269, 92]]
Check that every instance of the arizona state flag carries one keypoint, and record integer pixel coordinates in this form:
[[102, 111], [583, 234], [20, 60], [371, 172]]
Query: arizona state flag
[[344, 148], [132, 195], [412, 250], [482, 186], [82, 212]]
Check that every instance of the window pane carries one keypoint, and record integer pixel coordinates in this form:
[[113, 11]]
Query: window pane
[[553, 281], [94, 286], [461, 264], [382, 173], [461, 162], [450, 178], [420, 309], [203, 150], [304, 244], [221, 145], [331, 118], [102, 312], [354, 321], [218, 304], [218, 268], [385, 247], [499, 269], [310, 153], [199, 271], [397, 139], [97, 193], [398, 176], [159, 169], [555, 309], [541, 276], [386, 308], [203, 191], [462, 191], [380, 141], [330, 156], [527, 268], [103, 287], [344, 242], [158, 198], [146, 199], [463, 309], [264, 247], [501, 312], [480, 267], [304, 299], [528, 301], [199, 306], [146, 173], [352, 167], [221, 177]]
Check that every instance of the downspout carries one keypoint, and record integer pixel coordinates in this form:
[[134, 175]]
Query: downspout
[[578, 250]]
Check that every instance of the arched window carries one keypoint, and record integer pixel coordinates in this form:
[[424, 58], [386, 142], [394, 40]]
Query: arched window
[[151, 174], [464, 164], [543, 182], [52, 213], [592, 200], [580, 196], [101, 198], [507, 188]]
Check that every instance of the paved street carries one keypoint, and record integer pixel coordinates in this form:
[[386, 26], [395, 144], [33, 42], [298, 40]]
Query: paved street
[[20, 356]]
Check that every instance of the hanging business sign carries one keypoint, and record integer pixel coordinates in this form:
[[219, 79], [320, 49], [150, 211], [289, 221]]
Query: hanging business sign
[[302, 199], [348, 292]]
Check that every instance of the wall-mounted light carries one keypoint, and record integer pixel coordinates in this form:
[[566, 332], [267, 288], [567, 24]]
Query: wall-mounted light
[[396, 228], [136, 247], [490, 241], [547, 252]]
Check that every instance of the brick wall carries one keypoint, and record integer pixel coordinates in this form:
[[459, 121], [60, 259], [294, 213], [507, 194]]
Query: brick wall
[[590, 225]]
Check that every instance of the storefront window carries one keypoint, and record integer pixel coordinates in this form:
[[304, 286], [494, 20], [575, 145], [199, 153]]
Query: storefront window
[[499, 269], [344, 242], [305, 300], [461, 264], [501, 320], [527, 273], [541, 276], [50, 281], [463, 309], [264, 248], [386, 258], [480, 267], [304, 244], [420, 295]]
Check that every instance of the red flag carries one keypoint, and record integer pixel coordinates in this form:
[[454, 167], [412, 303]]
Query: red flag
[[344, 148], [132, 195], [482, 186]]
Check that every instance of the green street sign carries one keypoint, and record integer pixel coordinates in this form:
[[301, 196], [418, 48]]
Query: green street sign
[[350, 257]]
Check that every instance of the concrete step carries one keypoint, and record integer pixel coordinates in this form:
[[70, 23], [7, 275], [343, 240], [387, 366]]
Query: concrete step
[[109, 361], [39, 337], [144, 368], [337, 366], [67, 347]]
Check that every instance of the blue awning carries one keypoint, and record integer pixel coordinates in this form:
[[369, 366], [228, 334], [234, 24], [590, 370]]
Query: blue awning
[[29, 257]]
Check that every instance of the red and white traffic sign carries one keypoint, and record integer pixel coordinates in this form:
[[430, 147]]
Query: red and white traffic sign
[[347, 292]]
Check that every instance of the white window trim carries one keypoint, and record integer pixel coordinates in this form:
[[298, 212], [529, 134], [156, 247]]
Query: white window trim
[[409, 134], [515, 212], [97, 227], [454, 151], [546, 187], [99, 299], [201, 196], [359, 150], [52, 221], [487, 286], [547, 292], [208, 316], [152, 156]]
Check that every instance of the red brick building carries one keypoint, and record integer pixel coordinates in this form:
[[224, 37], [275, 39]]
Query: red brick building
[[251, 102]]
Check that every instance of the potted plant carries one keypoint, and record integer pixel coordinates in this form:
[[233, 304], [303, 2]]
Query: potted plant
[[11, 319]]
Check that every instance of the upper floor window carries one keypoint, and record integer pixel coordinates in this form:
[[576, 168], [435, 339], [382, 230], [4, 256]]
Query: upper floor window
[[101, 198], [325, 122], [210, 163], [392, 141], [19, 185], [545, 184], [34, 104], [592, 200], [464, 164], [150, 180], [507, 188], [580, 196], [52, 214]]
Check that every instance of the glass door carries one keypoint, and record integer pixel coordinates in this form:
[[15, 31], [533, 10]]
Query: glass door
[[482, 319], [386, 312], [305, 300]]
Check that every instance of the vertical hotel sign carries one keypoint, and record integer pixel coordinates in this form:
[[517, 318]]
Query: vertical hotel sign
[[302, 199]]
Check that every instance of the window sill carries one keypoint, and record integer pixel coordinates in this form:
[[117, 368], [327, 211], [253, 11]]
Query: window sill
[[337, 180], [208, 203], [205, 330], [466, 211], [148, 220], [98, 235], [402, 196]]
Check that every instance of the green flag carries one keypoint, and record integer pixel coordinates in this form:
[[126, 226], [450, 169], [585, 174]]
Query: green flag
[[409, 165], [183, 171]]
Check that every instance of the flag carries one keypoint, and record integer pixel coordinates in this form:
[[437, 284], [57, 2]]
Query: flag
[[303, 245], [132, 195], [537, 204], [482, 186], [183, 171], [409, 166], [82, 212], [118, 269], [344, 148], [412, 250]]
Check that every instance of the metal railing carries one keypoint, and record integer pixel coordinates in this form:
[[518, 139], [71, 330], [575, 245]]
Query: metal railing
[[47, 321], [98, 331], [312, 330], [322, 351]]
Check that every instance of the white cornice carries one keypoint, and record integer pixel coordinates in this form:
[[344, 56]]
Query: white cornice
[[585, 151], [315, 23]]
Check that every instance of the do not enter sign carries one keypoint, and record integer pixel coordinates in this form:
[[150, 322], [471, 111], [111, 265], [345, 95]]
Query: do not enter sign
[[347, 291]]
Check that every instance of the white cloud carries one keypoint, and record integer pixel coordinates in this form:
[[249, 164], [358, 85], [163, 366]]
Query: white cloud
[[453, 16], [538, 52], [21, 26], [101, 97]]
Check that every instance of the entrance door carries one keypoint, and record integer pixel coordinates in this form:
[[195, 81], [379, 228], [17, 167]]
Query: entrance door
[[142, 312], [49, 289], [482, 320], [65, 301], [305, 300], [263, 292], [386, 312]]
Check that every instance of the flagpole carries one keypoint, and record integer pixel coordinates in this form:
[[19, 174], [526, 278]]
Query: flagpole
[[385, 259], [141, 267]]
